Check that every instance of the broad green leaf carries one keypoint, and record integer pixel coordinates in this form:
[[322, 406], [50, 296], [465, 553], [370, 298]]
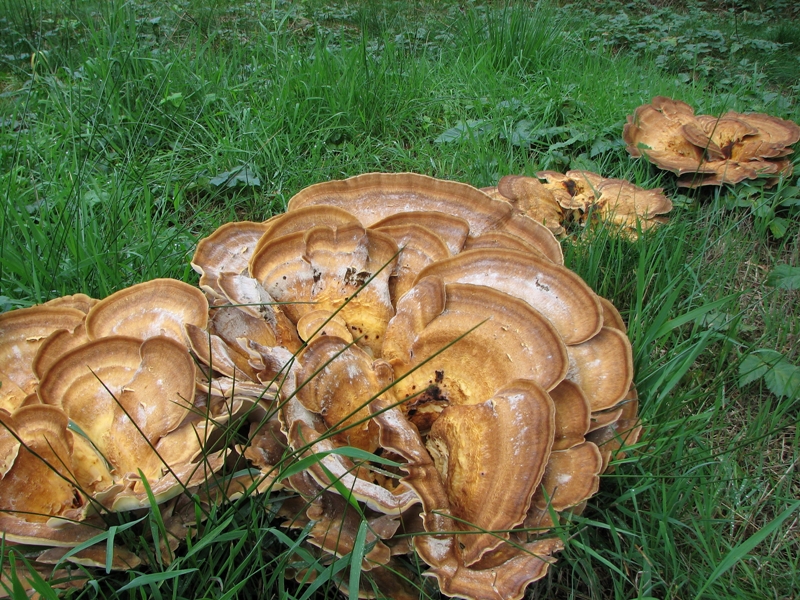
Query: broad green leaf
[[781, 377], [756, 365], [464, 130], [778, 226], [239, 177], [785, 277]]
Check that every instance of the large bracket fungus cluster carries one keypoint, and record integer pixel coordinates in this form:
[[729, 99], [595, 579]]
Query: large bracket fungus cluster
[[418, 320], [708, 150]]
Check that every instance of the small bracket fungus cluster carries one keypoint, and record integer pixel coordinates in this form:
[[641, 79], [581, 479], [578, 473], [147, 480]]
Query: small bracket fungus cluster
[[577, 196], [481, 386], [708, 150], [97, 397]]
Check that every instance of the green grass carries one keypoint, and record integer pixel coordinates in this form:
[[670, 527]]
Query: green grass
[[122, 126]]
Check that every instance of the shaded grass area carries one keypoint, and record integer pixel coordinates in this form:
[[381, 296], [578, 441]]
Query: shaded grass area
[[129, 131]]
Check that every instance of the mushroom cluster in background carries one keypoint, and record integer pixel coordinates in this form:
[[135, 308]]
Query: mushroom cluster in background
[[709, 150], [419, 340], [577, 196]]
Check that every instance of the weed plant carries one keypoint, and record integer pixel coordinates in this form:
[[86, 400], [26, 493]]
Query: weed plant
[[128, 130]]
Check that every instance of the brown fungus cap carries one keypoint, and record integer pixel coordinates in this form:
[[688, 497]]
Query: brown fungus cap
[[611, 316], [571, 476], [80, 302], [373, 197], [602, 367], [572, 415], [337, 382], [22, 332], [160, 307], [624, 203], [131, 398], [528, 196], [452, 229], [330, 268], [304, 219], [553, 290], [247, 295], [321, 323], [419, 247], [495, 449], [227, 250], [37, 483], [515, 566], [512, 341]]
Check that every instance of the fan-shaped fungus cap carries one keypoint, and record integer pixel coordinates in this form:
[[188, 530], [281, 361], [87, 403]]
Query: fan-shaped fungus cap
[[337, 382], [335, 528], [37, 487], [572, 415], [419, 247], [154, 308], [452, 229], [373, 197], [498, 449], [333, 467], [626, 204], [304, 219], [324, 268], [555, 291], [528, 196], [36, 483], [571, 476], [131, 398], [447, 327], [227, 250], [576, 193], [319, 323], [656, 131], [80, 302], [602, 367], [55, 345], [504, 576], [248, 296], [624, 431]]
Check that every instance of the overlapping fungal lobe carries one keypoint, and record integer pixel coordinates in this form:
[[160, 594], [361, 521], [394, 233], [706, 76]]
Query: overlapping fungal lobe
[[435, 350], [495, 449], [38, 487], [376, 197], [555, 291], [623, 431], [709, 150], [502, 575], [22, 332], [132, 400], [160, 307], [227, 250], [529, 197], [583, 194], [343, 269]]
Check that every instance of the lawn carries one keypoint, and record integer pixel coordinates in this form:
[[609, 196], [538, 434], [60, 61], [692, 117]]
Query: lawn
[[131, 130]]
